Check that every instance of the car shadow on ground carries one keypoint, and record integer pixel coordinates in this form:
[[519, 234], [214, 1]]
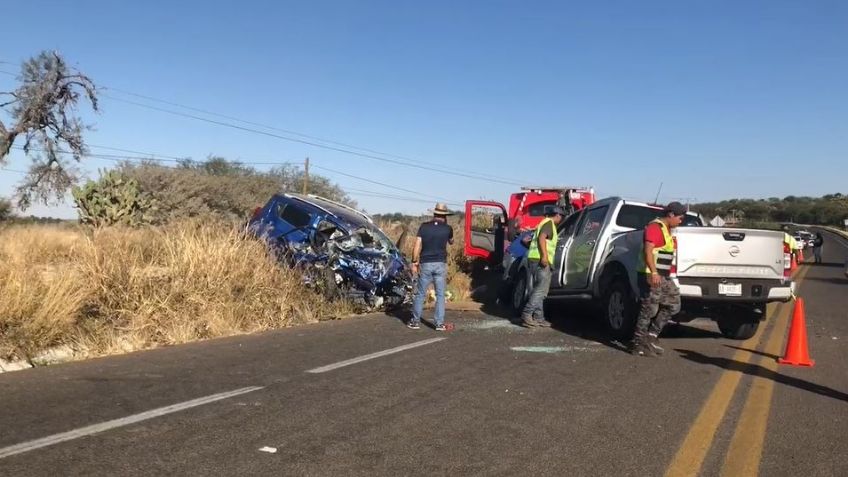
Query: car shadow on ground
[[686, 330], [400, 313], [587, 327], [756, 370], [580, 321], [404, 314], [573, 319], [492, 308]]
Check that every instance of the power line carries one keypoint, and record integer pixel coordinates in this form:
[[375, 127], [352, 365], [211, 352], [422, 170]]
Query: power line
[[153, 157], [371, 181], [13, 170], [409, 161], [367, 193], [109, 148], [310, 143], [483, 177]]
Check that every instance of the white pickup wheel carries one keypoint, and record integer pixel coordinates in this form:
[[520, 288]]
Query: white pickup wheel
[[738, 330]]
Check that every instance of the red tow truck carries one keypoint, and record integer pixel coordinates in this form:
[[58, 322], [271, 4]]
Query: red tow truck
[[490, 226]]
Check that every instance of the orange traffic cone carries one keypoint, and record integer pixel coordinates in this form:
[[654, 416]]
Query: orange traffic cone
[[797, 353], [793, 265], [800, 256]]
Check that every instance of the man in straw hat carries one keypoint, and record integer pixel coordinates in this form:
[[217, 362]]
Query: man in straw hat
[[430, 263]]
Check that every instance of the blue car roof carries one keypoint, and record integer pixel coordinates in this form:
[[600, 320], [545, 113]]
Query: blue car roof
[[317, 205]]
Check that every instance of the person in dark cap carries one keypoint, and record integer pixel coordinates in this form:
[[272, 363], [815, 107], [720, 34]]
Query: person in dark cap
[[429, 262], [539, 260], [658, 294]]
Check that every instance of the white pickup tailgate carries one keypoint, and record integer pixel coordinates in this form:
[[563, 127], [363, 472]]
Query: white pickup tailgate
[[729, 253]]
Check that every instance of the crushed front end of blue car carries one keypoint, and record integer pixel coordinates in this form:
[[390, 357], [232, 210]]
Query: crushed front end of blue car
[[339, 251]]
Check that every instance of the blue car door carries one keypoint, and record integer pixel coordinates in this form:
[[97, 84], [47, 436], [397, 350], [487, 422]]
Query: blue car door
[[287, 219]]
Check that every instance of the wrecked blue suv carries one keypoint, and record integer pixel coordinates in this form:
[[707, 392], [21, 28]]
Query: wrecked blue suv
[[339, 249]]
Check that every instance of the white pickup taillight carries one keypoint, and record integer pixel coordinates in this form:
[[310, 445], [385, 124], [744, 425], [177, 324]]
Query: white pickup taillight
[[787, 261]]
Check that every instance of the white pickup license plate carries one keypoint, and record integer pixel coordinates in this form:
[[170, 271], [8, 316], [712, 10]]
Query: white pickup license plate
[[730, 289]]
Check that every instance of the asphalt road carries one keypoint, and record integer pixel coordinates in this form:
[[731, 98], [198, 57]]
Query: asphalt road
[[487, 399]]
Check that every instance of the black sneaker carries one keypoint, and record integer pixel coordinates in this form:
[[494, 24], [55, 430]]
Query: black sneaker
[[413, 325], [441, 328]]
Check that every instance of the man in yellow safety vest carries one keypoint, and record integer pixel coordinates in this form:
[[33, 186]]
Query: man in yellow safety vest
[[659, 295], [540, 257]]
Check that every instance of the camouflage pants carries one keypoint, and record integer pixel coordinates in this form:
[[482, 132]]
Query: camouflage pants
[[658, 305]]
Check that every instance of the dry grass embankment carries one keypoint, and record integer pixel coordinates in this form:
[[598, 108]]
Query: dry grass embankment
[[117, 290]]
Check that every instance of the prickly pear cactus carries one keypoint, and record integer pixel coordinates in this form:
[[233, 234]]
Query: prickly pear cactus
[[113, 200]]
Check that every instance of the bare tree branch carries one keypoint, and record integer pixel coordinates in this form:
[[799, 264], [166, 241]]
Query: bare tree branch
[[13, 101], [44, 112]]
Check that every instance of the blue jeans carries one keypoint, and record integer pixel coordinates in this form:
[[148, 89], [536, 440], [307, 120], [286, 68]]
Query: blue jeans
[[535, 307], [435, 273]]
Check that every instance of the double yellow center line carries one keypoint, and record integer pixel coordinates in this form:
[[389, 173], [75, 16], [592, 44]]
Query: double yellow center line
[[743, 458]]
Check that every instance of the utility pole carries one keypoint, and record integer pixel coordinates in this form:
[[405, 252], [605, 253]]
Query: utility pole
[[306, 177]]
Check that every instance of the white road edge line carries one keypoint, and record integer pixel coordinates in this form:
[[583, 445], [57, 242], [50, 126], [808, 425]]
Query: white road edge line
[[378, 354], [124, 421]]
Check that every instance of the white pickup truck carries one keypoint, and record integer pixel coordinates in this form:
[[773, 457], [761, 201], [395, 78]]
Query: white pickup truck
[[726, 274]]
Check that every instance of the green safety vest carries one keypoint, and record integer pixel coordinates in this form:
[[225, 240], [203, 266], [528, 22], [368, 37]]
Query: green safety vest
[[534, 253], [663, 256]]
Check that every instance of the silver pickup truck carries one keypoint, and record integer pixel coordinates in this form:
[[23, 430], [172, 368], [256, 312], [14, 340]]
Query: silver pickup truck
[[725, 274]]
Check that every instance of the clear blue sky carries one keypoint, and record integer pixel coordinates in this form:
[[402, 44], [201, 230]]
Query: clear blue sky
[[715, 99]]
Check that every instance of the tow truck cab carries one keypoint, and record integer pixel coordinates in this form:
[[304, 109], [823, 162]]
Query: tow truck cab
[[491, 226]]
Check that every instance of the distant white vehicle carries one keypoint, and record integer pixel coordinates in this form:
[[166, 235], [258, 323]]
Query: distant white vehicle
[[804, 239]]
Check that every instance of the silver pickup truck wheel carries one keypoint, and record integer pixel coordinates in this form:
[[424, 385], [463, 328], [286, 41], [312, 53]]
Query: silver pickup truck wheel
[[619, 310]]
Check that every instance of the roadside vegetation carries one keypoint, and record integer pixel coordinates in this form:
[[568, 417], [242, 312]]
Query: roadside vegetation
[[830, 209], [119, 289]]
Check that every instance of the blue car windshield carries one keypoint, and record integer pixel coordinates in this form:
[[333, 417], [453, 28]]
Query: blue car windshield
[[376, 237]]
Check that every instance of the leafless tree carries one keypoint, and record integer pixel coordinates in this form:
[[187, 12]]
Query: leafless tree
[[43, 113]]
